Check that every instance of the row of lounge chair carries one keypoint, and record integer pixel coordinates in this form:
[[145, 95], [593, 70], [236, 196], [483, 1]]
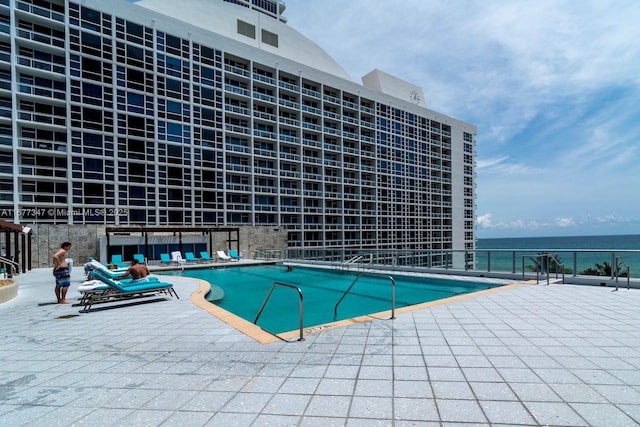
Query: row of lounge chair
[[103, 287], [176, 257], [118, 262]]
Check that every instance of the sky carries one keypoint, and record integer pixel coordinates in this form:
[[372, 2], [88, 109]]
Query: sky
[[552, 85]]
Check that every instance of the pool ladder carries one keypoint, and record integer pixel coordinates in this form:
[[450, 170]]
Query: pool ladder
[[335, 309], [393, 296], [359, 260], [301, 310], [544, 262], [9, 267]]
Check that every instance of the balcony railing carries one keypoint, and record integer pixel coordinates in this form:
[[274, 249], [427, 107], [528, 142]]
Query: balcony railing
[[36, 10]]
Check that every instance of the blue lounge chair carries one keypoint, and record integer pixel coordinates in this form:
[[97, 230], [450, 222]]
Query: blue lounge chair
[[114, 290], [106, 276], [165, 259], [117, 261], [190, 257], [204, 256], [139, 258], [95, 284], [234, 254]]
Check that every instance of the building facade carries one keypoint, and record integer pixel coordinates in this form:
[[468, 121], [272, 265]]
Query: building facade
[[211, 112]]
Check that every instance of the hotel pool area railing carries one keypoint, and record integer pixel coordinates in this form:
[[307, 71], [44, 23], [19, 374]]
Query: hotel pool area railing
[[592, 264], [393, 296], [301, 305], [619, 264], [545, 263], [8, 267]]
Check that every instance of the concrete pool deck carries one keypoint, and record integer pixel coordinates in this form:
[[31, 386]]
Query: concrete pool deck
[[529, 355]]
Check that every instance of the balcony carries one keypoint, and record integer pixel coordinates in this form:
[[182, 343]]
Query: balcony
[[236, 109], [40, 11], [236, 89], [40, 91], [40, 38], [236, 70], [40, 65], [290, 104], [42, 145], [42, 118], [43, 171], [289, 86], [264, 79]]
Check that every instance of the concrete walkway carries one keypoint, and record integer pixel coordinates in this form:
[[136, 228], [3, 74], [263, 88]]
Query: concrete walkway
[[560, 355]]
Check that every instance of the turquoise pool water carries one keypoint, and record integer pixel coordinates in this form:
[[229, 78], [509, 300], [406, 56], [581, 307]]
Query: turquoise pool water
[[245, 289]]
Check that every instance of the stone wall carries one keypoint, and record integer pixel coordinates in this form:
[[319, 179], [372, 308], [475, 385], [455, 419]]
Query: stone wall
[[85, 240], [47, 238]]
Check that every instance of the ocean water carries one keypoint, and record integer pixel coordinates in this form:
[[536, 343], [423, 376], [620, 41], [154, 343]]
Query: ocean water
[[594, 250]]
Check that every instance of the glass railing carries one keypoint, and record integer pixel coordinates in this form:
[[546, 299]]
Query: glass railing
[[237, 70], [42, 118], [41, 65], [39, 91], [41, 38], [265, 79], [289, 86], [36, 10], [525, 263]]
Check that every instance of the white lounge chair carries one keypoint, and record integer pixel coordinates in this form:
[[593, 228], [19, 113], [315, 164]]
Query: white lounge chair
[[96, 265], [224, 257], [176, 257]]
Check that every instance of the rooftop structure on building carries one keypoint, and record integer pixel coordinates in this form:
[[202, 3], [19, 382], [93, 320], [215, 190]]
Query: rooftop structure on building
[[219, 113]]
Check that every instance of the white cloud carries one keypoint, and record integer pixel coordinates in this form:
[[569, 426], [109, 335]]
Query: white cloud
[[484, 221], [551, 84], [614, 218], [499, 165], [480, 164], [565, 222]]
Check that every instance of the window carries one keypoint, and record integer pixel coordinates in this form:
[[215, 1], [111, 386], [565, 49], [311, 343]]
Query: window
[[269, 38], [91, 43], [90, 18], [246, 29]]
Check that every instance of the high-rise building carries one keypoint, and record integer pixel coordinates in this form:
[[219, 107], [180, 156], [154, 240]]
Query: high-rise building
[[211, 112]]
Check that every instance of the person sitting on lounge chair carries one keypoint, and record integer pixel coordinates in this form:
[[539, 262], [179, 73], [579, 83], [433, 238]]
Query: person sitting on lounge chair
[[138, 272]]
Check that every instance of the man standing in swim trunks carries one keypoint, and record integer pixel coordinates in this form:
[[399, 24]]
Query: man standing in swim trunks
[[61, 272]]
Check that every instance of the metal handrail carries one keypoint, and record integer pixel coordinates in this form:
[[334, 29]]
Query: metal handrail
[[301, 310], [619, 263], [344, 294], [13, 264], [357, 259], [554, 259], [550, 258], [353, 260], [345, 265]]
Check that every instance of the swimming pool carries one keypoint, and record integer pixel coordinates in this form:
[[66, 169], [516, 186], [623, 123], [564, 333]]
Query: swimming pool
[[245, 289]]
